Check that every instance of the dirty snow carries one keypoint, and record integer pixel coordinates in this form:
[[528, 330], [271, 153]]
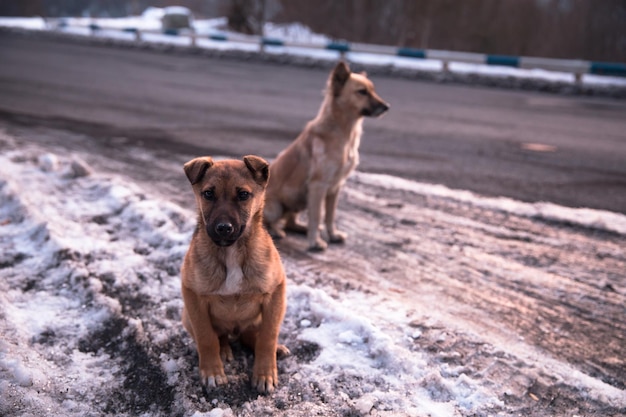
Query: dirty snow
[[90, 302]]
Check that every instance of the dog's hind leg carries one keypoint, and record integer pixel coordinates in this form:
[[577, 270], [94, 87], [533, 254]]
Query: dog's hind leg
[[272, 215], [187, 323], [226, 353], [292, 224], [248, 338]]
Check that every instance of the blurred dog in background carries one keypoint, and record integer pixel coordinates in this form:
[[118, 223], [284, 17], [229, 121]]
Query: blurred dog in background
[[309, 173]]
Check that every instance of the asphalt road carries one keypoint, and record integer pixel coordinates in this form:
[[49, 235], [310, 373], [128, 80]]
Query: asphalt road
[[465, 137]]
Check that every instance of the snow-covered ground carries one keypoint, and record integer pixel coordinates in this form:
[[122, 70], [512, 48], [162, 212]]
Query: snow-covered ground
[[442, 303], [410, 318], [294, 34]]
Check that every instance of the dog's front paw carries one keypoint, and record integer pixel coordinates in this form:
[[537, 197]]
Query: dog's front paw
[[337, 237], [213, 376], [265, 378], [318, 246]]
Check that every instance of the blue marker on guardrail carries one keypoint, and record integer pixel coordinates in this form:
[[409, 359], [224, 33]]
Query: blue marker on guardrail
[[411, 53], [608, 68], [339, 46], [503, 60], [272, 42], [218, 37]]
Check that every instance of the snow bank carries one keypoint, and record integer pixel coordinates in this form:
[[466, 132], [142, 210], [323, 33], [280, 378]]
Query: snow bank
[[591, 218], [69, 246], [32, 23]]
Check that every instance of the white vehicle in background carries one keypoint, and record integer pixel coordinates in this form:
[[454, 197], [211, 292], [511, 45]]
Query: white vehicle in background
[[175, 19]]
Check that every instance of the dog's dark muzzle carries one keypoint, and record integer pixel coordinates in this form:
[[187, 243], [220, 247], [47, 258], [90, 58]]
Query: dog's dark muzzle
[[223, 232], [375, 110]]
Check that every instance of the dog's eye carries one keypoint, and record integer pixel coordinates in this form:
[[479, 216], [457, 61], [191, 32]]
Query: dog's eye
[[362, 91], [243, 195], [208, 195]]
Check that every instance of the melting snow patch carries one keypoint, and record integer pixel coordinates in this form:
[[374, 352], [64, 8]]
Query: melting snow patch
[[69, 250], [597, 219], [354, 348]]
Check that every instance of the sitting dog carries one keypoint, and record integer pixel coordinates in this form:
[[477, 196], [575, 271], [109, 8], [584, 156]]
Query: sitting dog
[[233, 282], [310, 171]]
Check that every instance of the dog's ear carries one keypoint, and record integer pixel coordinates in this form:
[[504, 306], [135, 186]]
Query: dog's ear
[[339, 76], [258, 167], [196, 168]]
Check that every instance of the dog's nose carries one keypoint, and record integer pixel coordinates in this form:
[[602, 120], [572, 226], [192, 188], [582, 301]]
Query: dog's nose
[[379, 109], [224, 229]]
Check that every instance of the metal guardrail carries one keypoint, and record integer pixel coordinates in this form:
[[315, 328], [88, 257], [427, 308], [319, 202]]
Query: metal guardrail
[[576, 67]]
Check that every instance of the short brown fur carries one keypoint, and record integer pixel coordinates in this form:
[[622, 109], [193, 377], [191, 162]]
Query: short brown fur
[[309, 173], [233, 282]]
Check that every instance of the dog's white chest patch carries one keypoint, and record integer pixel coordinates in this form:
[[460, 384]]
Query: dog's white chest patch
[[234, 276]]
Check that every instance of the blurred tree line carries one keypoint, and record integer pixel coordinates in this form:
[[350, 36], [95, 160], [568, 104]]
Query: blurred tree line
[[579, 29], [576, 29]]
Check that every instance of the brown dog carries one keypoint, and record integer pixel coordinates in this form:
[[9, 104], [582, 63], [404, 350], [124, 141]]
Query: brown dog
[[309, 173], [233, 282]]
